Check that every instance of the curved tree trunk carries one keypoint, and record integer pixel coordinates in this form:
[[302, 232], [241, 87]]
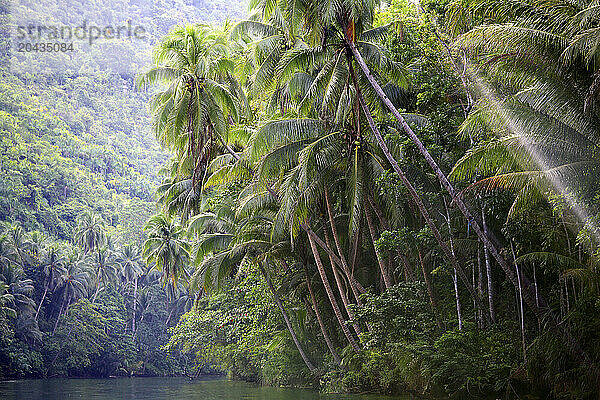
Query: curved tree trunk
[[339, 249], [414, 195], [332, 300], [288, 324], [313, 300], [542, 310], [340, 287], [135, 287], [41, 302], [382, 267], [454, 276], [488, 272]]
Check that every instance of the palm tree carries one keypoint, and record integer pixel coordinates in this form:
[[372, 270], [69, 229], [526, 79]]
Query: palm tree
[[53, 267], [20, 288], [6, 299], [224, 243], [198, 99], [130, 261], [167, 248], [19, 243], [546, 120], [90, 231], [103, 265], [73, 284]]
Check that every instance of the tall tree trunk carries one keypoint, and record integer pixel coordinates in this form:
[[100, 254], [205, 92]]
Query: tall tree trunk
[[454, 275], [309, 365], [413, 193], [540, 311], [488, 272], [522, 316], [386, 226], [430, 292], [41, 302], [135, 287], [338, 246], [380, 261], [480, 310], [340, 287], [313, 300], [332, 300], [59, 313], [331, 253]]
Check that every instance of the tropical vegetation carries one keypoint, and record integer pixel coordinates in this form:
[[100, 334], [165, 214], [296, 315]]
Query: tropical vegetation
[[360, 197]]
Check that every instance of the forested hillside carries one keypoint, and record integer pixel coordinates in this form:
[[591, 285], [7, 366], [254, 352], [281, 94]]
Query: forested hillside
[[80, 168], [353, 196]]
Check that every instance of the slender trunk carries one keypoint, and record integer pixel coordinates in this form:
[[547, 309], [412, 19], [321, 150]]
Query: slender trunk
[[380, 261], [522, 319], [354, 257], [169, 318], [542, 310], [41, 302], [414, 195], [135, 287], [383, 221], [488, 271], [331, 253], [480, 283], [59, 313], [286, 319], [430, 292], [97, 284], [454, 275], [332, 300], [339, 248], [340, 287], [313, 300]]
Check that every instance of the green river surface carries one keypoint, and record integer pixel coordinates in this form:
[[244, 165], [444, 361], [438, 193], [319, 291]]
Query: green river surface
[[159, 388]]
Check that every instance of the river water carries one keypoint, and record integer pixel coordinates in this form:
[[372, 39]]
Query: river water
[[159, 389]]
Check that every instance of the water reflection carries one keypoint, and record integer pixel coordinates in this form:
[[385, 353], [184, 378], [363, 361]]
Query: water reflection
[[158, 389]]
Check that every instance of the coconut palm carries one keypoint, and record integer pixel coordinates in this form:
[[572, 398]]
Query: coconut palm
[[545, 119], [20, 289], [226, 243], [19, 244], [73, 284], [130, 261], [90, 232], [103, 265], [198, 100], [167, 248], [53, 267]]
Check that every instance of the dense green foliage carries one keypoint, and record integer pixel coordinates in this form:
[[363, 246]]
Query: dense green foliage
[[303, 203], [362, 197]]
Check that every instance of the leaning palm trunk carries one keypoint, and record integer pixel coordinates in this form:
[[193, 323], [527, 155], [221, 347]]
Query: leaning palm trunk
[[332, 300], [541, 310], [414, 195], [310, 366], [59, 314], [454, 276], [340, 287], [135, 287], [488, 271], [313, 300], [339, 249], [41, 302], [382, 267]]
